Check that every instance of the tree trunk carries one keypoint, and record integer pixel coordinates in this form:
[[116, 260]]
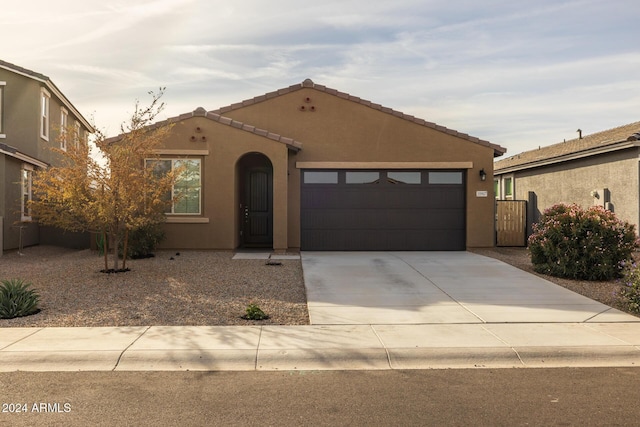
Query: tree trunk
[[105, 249], [124, 250], [115, 251]]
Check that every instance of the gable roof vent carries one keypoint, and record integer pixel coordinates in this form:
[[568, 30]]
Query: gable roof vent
[[634, 137]]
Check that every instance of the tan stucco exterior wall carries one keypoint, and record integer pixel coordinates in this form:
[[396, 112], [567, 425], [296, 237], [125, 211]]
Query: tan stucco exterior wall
[[340, 130], [220, 147], [573, 182]]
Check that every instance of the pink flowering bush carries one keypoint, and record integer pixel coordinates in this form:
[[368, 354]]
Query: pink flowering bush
[[630, 293], [584, 244]]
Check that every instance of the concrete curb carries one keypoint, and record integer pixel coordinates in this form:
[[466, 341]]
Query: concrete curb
[[313, 347]]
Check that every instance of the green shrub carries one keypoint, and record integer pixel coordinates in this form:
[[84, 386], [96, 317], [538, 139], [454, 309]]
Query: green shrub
[[584, 244], [143, 241], [630, 294], [254, 312], [16, 299]]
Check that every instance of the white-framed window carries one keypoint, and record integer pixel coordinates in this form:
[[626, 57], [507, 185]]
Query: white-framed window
[[64, 122], [2, 131], [496, 188], [25, 182], [78, 135], [508, 187], [45, 99], [187, 188]]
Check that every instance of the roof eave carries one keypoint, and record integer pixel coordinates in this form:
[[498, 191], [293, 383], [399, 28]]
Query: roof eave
[[291, 143], [51, 86], [13, 152], [617, 146]]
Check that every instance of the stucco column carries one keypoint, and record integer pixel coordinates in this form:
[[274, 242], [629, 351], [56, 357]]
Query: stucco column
[[280, 202]]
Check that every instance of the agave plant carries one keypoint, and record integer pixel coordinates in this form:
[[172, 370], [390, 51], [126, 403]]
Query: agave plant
[[17, 299], [254, 312]]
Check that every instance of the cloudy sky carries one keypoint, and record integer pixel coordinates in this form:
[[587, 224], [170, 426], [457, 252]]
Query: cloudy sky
[[518, 73]]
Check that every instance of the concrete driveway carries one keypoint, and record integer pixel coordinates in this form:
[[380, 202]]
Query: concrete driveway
[[437, 288]]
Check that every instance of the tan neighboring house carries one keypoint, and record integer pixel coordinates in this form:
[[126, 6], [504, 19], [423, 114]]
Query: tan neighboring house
[[308, 167], [32, 112], [598, 169]]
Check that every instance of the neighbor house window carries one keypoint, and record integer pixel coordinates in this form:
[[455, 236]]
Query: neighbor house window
[[2, 85], [78, 136], [187, 187], [64, 122], [496, 188], [508, 188], [27, 172], [44, 114]]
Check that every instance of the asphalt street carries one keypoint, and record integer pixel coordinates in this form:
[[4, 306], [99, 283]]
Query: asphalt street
[[503, 397]]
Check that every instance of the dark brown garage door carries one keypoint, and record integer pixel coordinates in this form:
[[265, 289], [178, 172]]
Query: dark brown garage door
[[382, 210]]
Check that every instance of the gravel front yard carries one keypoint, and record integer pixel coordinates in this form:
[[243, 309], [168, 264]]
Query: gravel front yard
[[195, 288]]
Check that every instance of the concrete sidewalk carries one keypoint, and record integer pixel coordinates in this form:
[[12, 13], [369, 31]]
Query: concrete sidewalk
[[314, 347]]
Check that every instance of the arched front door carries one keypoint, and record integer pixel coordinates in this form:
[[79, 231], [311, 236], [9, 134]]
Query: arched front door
[[256, 201]]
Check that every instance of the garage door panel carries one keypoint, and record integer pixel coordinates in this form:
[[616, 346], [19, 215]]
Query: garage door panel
[[401, 240], [340, 198], [382, 216], [414, 219]]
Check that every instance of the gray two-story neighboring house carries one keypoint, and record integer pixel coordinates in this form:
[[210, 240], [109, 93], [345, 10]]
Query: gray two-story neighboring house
[[32, 113]]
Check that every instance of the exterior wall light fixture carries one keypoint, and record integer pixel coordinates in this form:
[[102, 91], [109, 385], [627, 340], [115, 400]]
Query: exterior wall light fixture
[[483, 175]]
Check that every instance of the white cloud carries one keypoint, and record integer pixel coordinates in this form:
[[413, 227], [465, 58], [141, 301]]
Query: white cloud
[[518, 74]]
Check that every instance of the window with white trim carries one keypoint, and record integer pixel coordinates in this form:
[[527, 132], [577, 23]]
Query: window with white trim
[[78, 135], [64, 122], [26, 180], [187, 188], [45, 99], [507, 186], [496, 188], [2, 86]]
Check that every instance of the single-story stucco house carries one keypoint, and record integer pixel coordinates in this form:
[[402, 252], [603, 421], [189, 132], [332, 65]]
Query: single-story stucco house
[[308, 167], [597, 169]]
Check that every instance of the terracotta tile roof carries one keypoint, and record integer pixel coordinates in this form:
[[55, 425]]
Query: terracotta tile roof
[[587, 145], [47, 81], [201, 112], [308, 83]]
